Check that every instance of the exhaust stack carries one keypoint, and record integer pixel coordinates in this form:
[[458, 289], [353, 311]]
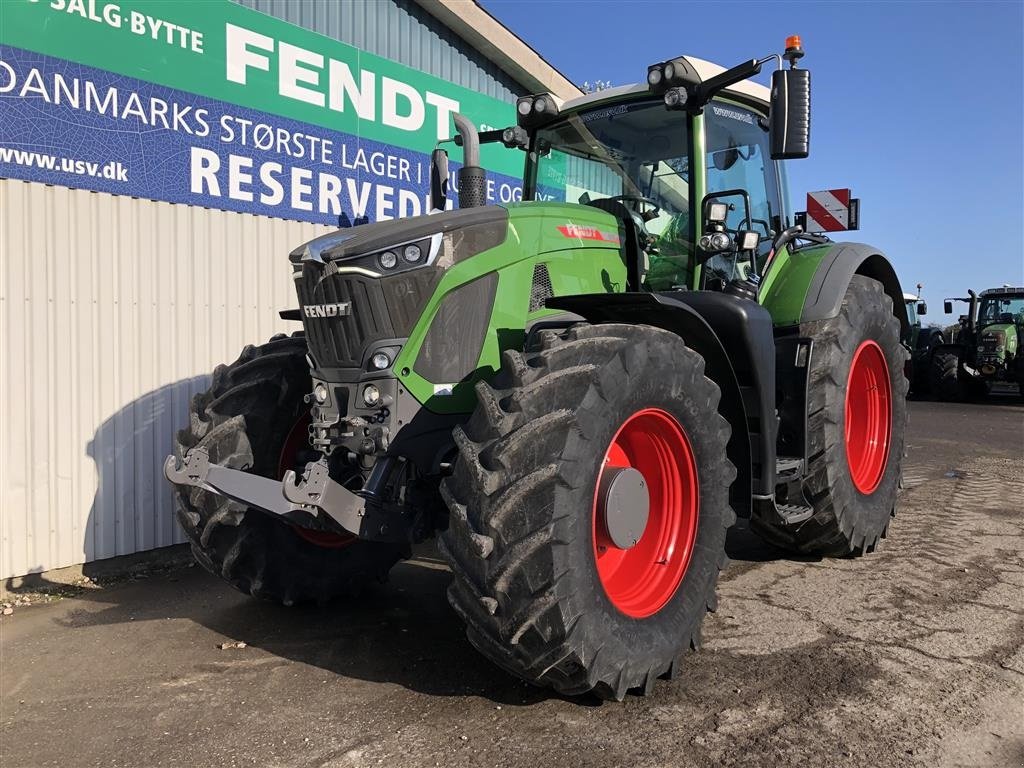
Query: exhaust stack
[[472, 178]]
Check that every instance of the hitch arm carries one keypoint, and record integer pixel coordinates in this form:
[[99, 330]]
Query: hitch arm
[[314, 494]]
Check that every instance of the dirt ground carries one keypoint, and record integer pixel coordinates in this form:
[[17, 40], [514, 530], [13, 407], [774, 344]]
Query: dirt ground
[[912, 656]]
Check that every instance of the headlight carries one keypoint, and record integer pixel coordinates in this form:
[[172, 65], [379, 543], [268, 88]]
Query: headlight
[[320, 393], [981, 347], [540, 104], [388, 260], [380, 361], [524, 106], [371, 395], [412, 253], [654, 76], [670, 71]]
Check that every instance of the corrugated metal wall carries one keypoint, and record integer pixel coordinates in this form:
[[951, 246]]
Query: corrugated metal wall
[[113, 312], [399, 30]]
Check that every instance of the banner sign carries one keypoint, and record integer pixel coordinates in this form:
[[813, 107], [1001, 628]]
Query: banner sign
[[208, 103]]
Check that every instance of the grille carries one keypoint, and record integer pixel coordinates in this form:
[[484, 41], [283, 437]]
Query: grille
[[339, 342], [540, 290]]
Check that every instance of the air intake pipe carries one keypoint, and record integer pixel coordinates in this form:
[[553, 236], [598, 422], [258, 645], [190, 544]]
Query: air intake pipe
[[472, 178]]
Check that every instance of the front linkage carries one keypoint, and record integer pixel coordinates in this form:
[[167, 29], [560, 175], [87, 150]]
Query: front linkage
[[304, 503]]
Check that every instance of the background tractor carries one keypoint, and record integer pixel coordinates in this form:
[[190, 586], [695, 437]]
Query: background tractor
[[923, 342], [578, 397], [985, 348]]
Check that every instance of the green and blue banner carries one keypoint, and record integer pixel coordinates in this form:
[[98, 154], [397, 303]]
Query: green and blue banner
[[207, 103]]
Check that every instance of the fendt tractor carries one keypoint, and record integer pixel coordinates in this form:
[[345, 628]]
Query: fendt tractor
[[986, 349], [579, 397]]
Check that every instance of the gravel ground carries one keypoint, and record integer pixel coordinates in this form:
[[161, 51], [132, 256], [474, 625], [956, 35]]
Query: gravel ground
[[912, 656]]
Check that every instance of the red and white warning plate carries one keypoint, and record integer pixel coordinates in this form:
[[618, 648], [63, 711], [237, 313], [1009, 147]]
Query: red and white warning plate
[[828, 211]]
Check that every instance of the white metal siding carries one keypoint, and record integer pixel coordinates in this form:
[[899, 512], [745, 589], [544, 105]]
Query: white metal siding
[[113, 312]]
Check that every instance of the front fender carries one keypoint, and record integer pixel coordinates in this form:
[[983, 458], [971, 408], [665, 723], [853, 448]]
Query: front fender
[[735, 339], [809, 283]]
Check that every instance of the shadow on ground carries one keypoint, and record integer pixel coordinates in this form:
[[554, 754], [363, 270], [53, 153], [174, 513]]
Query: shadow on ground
[[402, 632]]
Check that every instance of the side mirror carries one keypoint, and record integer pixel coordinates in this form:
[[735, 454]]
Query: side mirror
[[438, 180], [922, 308], [790, 117], [947, 307]]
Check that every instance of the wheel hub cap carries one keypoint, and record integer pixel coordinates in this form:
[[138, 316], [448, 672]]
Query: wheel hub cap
[[625, 505]]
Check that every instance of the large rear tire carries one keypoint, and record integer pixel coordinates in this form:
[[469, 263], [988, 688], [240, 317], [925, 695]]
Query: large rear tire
[[545, 591], [249, 419], [857, 417]]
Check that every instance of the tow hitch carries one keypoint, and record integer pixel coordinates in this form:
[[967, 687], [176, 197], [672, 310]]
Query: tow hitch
[[314, 495]]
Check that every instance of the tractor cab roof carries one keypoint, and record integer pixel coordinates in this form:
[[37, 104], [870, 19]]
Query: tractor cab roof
[[746, 90], [1006, 290], [909, 297]]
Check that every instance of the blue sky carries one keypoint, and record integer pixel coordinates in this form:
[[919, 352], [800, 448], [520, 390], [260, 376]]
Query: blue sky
[[916, 107]]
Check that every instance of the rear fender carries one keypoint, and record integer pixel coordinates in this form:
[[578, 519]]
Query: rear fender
[[751, 451]]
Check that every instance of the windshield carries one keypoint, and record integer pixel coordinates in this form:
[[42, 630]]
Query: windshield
[[634, 150], [1002, 309], [912, 310]]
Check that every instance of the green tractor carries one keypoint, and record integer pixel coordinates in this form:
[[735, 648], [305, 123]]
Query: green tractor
[[577, 398], [923, 343], [986, 348]]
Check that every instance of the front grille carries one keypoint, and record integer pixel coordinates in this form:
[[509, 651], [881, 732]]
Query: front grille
[[339, 342]]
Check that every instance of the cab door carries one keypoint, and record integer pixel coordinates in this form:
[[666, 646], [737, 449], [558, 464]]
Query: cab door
[[737, 155]]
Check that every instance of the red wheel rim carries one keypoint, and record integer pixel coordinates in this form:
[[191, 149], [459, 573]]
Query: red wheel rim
[[640, 580], [868, 417], [297, 439]]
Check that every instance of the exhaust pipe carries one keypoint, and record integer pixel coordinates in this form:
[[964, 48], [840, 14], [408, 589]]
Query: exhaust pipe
[[472, 178]]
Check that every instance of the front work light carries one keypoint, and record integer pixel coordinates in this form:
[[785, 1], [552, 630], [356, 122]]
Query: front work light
[[670, 74], [718, 213], [535, 110], [388, 260], [380, 361], [412, 253], [676, 98]]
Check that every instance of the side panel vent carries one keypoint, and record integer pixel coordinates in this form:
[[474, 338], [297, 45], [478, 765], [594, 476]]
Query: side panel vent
[[540, 291], [451, 348]]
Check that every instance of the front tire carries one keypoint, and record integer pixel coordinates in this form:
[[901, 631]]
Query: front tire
[[857, 417], [944, 378], [249, 419], [544, 592]]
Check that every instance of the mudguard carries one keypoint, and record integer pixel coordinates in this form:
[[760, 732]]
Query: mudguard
[[734, 336], [809, 283]]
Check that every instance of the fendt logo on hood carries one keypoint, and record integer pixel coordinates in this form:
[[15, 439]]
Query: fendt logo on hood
[[328, 310]]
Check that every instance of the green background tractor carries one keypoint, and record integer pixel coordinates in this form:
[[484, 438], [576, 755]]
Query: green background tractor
[[986, 347], [578, 393]]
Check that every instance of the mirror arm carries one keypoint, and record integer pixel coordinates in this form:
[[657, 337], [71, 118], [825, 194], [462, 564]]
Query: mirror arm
[[484, 137], [707, 90]]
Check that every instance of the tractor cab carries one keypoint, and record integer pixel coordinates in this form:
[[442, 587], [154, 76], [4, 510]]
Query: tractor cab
[[642, 163], [687, 163]]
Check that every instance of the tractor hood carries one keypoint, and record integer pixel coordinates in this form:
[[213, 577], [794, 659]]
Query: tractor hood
[[999, 339], [354, 242]]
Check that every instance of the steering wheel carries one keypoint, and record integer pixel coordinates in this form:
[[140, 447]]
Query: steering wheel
[[639, 200]]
